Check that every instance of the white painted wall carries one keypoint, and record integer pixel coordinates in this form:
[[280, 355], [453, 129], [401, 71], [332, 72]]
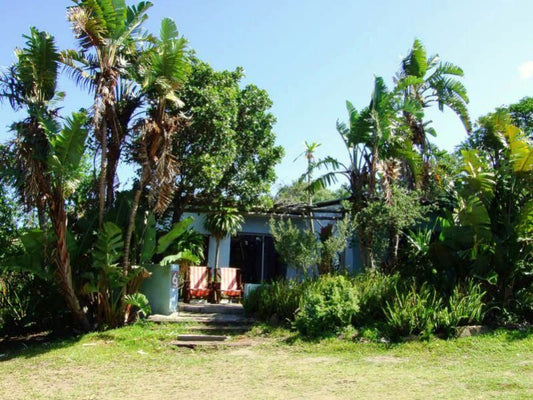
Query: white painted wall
[[259, 225]]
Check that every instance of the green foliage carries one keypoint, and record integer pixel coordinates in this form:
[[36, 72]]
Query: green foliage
[[180, 244], [296, 193], [384, 304], [413, 312], [388, 220], [67, 145], [333, 240], [329, 305], [276, 301], [490, 227], [420, 310], [228, 151], [177, 230], [522, 115], [108, 247], [297, 247], [224, 222], [374, 291], [29, 304], [164, 67], [465, 307], [140, 302]]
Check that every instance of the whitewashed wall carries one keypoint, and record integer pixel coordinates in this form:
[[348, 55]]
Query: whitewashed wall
[[258, 225]]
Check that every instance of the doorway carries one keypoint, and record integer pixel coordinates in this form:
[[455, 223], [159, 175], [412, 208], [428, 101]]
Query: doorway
[[256, 257]]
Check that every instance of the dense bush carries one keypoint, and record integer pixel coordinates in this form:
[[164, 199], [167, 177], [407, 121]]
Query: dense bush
[[28, 303], [374, 290], [330, 303], [384, 304], [422, 311], [275, 301]]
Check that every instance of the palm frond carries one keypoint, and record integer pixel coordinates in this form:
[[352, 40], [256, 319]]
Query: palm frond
[[415, 64], [37, 66], [68, 145]]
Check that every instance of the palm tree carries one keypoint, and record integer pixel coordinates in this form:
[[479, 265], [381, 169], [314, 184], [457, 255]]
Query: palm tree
[[105, 30], [369, 140], [309, 154], [422, 82], [162, 71], [48, 154], [221, 224]]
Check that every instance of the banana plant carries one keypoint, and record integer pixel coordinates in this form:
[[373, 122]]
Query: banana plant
[[491, 228], [108, 32], [162, 70], [116, 290], [48, 152]]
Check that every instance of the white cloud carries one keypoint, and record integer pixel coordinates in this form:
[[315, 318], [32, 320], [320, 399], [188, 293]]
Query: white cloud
[[525, 70]]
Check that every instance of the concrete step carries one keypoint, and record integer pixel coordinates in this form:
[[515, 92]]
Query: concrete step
[[210, 344], [220, 328], [203, 308], [202, 338]]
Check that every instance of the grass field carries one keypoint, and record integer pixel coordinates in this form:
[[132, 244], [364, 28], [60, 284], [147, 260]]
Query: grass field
[[138, 362]]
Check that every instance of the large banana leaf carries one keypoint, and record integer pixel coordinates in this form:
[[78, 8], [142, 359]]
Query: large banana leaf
[[177, 229], [149, 240], [68, 145], [520, 148], [185, 255], [109, 246]]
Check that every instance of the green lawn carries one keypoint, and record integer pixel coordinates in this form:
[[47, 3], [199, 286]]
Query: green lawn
[[138, 362]]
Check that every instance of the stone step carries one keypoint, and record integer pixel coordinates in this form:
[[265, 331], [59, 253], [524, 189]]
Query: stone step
[[202, 338], [220, 328], [206, 320], [203, 308], [209, 345]]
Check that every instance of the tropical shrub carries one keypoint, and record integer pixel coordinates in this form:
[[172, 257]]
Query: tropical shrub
[[465, 306], [329, 304], [297, 247], [374, 291], [413, 312], [28, 303], [276, 301], [423, 311]]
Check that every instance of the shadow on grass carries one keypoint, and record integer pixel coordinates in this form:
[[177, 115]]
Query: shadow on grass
[[33, 345], [512, 335]]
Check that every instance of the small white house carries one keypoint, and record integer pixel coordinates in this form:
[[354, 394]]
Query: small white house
[[252, 249]]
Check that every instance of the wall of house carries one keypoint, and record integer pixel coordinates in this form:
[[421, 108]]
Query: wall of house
[[260, 225]]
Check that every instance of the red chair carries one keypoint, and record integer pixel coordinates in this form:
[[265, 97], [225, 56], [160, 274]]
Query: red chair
[[197, 283], [231, 285]]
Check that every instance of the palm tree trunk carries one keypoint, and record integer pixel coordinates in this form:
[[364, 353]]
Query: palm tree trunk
[[373, 172], [133, 215], [63, 272], [102, 134], [111, 170]]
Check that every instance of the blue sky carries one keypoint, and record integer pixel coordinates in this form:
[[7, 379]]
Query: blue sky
[[313, 55]]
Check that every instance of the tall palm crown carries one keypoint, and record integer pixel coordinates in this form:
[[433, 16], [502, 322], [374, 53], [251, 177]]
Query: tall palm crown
[[423, 81], [48, 154], [108, 32], [31, 84], [163, 70]]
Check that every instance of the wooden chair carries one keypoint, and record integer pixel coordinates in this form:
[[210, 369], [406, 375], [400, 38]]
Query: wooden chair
[[197, 283], [230, 283]]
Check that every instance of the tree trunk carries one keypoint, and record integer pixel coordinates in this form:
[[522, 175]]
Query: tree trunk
[[372, 173], [131, 223], [63, 272], [113, 157], [102, 134], [217, 252]]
